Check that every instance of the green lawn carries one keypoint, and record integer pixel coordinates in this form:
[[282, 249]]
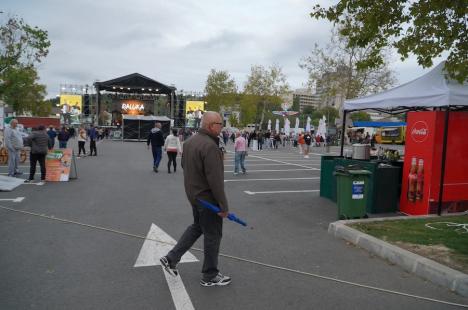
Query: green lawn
[[415, 234]]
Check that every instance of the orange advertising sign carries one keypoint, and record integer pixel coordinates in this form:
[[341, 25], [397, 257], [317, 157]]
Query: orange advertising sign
[[58, 165]]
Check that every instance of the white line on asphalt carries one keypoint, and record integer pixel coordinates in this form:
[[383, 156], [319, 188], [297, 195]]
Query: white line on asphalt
[[38, 183], [285, 170], [283, 192], [280, 179], [149, 255], [276, 164], [282, 162], [17, 199]]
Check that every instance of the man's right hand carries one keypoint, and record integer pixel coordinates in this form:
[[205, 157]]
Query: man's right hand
[[223, 214]]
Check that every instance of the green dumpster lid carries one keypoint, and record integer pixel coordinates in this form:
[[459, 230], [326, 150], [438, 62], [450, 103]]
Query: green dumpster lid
[[359, 172], [352, 172]]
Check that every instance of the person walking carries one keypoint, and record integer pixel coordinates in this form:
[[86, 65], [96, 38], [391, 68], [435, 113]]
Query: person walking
[[156, 140], [63, 138], [172, 147], [301, 142], [240, 149], [92, 135], [14, 144], [308, 141], [203, 179], [81, 141], [52, 135], [38, 140]]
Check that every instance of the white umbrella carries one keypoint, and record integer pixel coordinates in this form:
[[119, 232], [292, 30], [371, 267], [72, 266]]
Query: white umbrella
[[269, 124], [287, 126], [296, 128], [277, 125], [307, 128]]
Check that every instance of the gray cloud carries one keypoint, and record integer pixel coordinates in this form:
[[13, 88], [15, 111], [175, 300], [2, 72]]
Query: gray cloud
[[174, 42]]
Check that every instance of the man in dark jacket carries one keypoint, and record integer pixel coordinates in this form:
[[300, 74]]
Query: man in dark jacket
[[63, 138], [203, 179], [38, 140], [156, 140], [52, 135], [92, 135]]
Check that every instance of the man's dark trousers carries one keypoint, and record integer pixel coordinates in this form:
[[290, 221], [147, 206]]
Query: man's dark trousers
[[92, 147], [209, 224], [157, 155], [34, 158]]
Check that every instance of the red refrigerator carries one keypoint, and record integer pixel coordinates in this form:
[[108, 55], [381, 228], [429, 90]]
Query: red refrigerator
[[423, 162]]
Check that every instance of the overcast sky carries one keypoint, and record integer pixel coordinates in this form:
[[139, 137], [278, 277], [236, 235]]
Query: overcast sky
[[176, 42]]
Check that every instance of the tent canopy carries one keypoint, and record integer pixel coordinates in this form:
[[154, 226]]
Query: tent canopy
[[135, 83], [378, 124], [433, 89]]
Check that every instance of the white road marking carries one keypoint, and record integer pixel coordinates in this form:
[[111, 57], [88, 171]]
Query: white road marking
[[280, 179], [17, 199], [285, 170], [282, 162], [149, 255], [249, 164], [38, 183], [282, 192]]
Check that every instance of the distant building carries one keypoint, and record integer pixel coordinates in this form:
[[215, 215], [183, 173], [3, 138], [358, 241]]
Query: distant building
[[306, 98]]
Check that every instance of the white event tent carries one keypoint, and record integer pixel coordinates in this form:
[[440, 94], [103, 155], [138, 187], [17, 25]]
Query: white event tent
[[432, 90]]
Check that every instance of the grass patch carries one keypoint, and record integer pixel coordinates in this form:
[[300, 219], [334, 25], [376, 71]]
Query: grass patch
[[446, 242]]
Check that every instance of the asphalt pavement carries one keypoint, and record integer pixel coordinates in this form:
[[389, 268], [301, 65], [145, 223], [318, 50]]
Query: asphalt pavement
[[78, 245]]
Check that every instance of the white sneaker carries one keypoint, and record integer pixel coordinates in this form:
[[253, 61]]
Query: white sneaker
[[219, 280], [306, 156]]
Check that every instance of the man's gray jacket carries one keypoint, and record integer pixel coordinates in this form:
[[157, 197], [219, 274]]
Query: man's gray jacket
[[13, 139], [203, 166]]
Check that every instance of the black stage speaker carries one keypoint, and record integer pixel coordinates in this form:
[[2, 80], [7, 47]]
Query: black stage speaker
[[86, 109]]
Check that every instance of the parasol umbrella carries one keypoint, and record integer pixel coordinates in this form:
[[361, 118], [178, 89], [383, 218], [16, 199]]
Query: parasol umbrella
[[308, 124]]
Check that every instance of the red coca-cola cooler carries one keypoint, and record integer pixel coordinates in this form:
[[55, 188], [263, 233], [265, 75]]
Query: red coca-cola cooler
[[423, 163]]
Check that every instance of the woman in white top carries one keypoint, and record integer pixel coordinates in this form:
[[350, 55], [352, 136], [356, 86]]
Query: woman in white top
[[81, 141], [172, 147]]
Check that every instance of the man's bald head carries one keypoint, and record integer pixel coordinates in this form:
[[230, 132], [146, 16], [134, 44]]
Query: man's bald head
[[212, 122], [209, 118]]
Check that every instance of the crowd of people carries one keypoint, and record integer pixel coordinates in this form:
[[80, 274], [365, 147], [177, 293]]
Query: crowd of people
[[41, 139]]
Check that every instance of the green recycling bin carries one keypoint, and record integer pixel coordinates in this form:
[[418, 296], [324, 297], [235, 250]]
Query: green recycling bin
[[352, 192]]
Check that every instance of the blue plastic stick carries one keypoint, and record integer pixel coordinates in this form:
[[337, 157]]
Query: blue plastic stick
[[216, 209]]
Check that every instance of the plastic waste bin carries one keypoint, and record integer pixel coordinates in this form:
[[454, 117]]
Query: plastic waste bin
[[352, 192]]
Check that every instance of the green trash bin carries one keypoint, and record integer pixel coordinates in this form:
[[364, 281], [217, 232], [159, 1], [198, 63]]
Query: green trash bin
[[352, 192], [327, 179]]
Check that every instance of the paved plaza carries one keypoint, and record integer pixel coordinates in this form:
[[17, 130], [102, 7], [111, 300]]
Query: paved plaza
[[80, 244]]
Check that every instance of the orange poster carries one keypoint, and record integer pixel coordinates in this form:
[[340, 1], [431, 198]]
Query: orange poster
[[58, 165]]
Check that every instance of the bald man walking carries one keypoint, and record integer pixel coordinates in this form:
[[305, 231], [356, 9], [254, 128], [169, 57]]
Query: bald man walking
[[203, 166]]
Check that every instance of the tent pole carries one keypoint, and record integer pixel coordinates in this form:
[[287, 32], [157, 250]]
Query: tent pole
[[343, 132], [444, 154]]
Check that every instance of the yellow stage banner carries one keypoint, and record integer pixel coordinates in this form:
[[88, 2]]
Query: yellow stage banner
[[193, 106], [70, 103]]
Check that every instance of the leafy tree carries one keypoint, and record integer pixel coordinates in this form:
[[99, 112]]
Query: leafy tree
[[334, 70], [425, 28], [220, 90], [264, 87], [360, 116], [21, 43], [22, 91], [233, 120], [296, 104], [21, 47]]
